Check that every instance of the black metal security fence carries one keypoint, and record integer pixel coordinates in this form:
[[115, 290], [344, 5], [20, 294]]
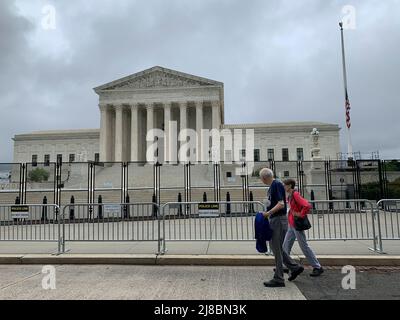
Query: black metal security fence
[[120, 182]]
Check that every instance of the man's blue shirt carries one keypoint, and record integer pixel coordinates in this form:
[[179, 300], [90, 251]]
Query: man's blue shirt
[[276, 193]]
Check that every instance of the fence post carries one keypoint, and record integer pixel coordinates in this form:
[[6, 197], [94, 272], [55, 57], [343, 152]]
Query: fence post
[[44, 209], [228, 205], [100, 209], [72, 208]]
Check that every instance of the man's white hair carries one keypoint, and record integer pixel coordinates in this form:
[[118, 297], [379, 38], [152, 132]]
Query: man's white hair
[[266, 173]]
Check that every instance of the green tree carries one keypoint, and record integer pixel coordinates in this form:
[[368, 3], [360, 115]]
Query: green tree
[[392, 165], [38, 175]]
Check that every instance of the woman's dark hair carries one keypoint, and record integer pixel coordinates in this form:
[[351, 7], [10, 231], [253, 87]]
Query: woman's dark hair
[[290, 182]]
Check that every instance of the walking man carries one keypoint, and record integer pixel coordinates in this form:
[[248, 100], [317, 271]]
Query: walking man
[[276, 213]]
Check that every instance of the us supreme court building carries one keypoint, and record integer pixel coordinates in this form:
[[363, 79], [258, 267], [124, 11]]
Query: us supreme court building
[[171, 101]]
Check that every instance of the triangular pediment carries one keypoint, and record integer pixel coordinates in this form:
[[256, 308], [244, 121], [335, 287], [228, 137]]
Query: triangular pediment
[[157, 77]]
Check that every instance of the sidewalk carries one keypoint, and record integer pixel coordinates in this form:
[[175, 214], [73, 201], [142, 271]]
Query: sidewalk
[[349, 247]]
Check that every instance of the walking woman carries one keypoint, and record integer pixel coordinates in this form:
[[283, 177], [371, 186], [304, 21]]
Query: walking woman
[[299, 207]]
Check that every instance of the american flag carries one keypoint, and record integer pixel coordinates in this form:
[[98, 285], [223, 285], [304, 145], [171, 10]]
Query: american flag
[[347, 106]]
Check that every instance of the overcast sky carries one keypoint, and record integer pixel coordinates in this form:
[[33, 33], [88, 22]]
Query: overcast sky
[[279, 60]]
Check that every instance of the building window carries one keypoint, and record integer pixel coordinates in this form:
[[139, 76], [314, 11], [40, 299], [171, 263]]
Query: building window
[[270, 155], [97, 157], [46, 159], [229, 174], [59, 158], [257, 155], [243, 153], [286, 174], [71, 157], [34, 160], [300, 154], [285, 154]]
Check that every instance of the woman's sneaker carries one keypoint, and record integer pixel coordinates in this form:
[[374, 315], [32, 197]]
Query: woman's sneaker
[[316, 272]]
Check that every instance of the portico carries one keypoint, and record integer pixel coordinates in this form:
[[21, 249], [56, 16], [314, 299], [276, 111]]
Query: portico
[[156, 98], [124, 127]]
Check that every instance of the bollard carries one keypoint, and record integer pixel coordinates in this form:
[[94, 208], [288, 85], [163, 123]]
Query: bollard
[[72, 208], [228, 205], [204, 197], [100, 209], [330, 198], [312, 199], [251, 199], [17, 201], [180, 206], [44, 209], [154, 201], [347, 193], [126, 207]]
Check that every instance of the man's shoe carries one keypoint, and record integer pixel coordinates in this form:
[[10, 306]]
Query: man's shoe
[[285, 270], [316, 272], [273, 284], [294, 274]]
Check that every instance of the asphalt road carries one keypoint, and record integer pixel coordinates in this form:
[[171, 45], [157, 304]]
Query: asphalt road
[[380, 283]]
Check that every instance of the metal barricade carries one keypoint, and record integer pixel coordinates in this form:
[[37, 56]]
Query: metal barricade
[[110, 222], [345, 220], [209, 221], [389, 213], [30, 222]]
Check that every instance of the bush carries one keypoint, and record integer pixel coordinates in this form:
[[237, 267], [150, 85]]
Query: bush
[[38, 175]]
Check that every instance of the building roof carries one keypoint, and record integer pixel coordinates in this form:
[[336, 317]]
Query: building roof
[[125, 82], [281, 126]]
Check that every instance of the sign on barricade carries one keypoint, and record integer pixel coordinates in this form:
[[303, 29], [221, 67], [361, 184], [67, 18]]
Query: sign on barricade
[[208, 209]]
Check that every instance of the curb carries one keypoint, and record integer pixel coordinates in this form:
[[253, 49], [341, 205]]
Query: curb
[[203, 260]]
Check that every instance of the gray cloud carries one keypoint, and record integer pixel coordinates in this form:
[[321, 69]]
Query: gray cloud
[[279, 60]]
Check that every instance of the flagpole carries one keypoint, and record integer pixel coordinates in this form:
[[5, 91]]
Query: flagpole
[[349, 144]]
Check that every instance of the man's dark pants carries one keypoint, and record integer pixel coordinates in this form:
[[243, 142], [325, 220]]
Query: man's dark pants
[[279, 226]]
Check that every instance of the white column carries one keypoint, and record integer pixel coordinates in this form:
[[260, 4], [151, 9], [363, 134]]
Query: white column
[[150, 123], [167, 131], [134, 132], [104, 133], [183, 121], [183, 115], [216, 115], [199, 126], [118, 133]]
